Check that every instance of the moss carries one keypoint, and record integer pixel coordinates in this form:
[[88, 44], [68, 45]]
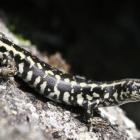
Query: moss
[[21, 38]]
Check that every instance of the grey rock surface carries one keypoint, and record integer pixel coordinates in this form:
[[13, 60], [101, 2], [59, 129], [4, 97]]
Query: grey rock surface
[[24, 116]]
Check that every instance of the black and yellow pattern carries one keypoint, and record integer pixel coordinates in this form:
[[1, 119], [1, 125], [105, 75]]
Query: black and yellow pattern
[[65, 88]]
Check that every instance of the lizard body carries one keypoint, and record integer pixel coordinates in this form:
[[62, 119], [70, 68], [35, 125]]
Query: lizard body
[[65, 88]]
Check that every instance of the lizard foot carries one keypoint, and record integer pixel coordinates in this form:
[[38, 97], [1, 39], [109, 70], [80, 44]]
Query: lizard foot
[[98, 124]]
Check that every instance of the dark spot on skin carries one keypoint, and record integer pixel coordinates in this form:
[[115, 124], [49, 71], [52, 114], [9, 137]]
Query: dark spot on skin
[[25, 69], [63, 86], [18, 48], [61, 96], [17, 58], [6, 41], [87, 90], [99, 91], [2, 49], [11, 53], [51, 81], [54, 97], [39, 84], [85, 104]]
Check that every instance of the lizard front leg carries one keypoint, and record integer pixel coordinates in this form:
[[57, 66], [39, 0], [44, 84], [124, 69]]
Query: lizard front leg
[[8, 67]]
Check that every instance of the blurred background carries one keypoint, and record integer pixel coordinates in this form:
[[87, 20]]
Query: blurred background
[[99, 39]]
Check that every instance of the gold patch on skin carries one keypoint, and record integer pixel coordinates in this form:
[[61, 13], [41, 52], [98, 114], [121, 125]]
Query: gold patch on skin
[[92, 86], [48, 72], [67, 80], [29, 76], [80, 99], [72, 90], [49, 89], [73, 83], [30, 61], [37, 80], [106, 96], [6, 53], [57, 77], [83, 84], [115, 95], [39, 66], [89, 97], [66, 97], [96, 95], [43, 86], [21, 67]]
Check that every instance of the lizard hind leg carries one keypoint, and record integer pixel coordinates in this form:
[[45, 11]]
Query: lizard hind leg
[[98, 121]]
